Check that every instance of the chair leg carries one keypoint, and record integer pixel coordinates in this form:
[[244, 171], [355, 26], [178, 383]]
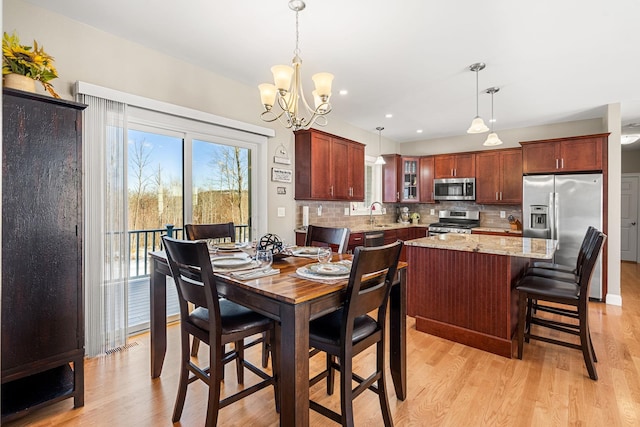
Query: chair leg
[[266, 345], [587, 347], [215, 379], [195, 347], [331, 374], [382, 385], [522, 315], [346, 392], [239, 347], [530, 310], [593, 350], [184, 378], [275, 366]]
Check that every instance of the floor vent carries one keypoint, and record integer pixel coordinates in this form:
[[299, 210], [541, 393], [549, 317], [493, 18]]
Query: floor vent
[[121, 348]]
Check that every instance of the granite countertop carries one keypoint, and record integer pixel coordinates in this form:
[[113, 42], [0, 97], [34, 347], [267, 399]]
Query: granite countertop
[[498, 230], [525, 247]]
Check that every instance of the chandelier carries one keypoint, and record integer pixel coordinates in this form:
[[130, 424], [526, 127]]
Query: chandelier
[[492, 139], [293, 110]]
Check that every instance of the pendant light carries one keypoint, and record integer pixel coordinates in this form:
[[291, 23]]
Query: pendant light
[[492, 139], [380, 159], [477, 125]]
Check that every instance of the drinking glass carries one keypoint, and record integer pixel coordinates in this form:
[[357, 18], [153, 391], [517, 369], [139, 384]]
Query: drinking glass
[[324, 255], [264, 258], [212, 244]]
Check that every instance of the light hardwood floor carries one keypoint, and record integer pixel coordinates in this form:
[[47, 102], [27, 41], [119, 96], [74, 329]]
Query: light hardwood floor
[[449, 384]]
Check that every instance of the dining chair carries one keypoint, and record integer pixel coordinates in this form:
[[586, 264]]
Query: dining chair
[[570, 300], [336, 238], [211, 231], [215, 321], [348, 331], [562, 271], [222, 232]]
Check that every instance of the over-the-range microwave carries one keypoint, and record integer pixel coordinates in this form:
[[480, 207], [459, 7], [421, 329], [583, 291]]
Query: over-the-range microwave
[[454, 189]]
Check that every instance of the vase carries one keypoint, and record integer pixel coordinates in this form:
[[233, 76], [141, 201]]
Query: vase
[[414, 221], [20, 82]]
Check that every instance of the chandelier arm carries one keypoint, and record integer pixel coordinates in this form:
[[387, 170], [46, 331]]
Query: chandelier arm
[[270, 116]]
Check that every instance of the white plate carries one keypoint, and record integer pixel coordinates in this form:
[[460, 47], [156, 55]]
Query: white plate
[[230, 261], [305, 272], [306, 251], [330, 269]]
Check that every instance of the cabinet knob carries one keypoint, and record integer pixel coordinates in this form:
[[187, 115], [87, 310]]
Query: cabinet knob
[[562, 163], [497, 196], [556, 163]]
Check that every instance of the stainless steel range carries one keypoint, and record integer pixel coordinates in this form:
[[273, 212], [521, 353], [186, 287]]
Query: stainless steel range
[[455, 222]]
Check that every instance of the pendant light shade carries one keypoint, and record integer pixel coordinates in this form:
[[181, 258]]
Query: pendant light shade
[[477, 125], [380, 159], [492, 139]]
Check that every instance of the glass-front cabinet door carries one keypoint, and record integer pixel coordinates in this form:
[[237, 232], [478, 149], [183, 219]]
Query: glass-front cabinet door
[[410, 181]]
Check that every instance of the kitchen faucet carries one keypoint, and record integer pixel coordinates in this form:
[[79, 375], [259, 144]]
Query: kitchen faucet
[[371, 220]]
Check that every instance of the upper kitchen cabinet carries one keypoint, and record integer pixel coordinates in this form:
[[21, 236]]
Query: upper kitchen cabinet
[[499, 176], [328, 167], [426, 179], [573, 154], [401, 179], [461, 165]]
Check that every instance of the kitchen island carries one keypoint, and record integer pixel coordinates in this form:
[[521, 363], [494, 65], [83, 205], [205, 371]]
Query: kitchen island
[[462, 286]]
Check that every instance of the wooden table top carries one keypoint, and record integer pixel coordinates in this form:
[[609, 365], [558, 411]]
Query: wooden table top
[[287, 286]]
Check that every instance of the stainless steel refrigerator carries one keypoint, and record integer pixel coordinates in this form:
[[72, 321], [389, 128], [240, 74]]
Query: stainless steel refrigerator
[[562, 207]]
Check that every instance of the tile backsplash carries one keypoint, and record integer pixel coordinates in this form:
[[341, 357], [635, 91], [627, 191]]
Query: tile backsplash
[[333, 213]]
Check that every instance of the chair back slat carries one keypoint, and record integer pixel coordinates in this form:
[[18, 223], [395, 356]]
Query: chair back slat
[[589, 262], [589, 236], [366, 295], [192, 273], [336, 238], [221, 231]]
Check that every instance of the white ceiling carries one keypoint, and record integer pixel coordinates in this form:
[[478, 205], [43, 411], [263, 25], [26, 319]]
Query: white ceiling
[[553, 61]]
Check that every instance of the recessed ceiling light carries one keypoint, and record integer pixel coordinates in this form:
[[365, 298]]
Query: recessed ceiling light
[[388, 115], [419, 131], [343, 92], [629, 139]]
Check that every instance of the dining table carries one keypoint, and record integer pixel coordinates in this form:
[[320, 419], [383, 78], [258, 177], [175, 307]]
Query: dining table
[[293, 301]]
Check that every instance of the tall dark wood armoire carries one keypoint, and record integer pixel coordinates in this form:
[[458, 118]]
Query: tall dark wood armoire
[[42, 296]]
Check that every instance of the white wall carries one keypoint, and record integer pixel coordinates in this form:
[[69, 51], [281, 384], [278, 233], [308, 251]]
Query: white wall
[[631, 161]]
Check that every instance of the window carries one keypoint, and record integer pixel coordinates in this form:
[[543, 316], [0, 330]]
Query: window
[[372, 188]]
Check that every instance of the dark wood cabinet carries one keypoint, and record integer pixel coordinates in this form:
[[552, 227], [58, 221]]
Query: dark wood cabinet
[[499, 176], [328, 167], [462, 165], [401, 179], [560, 155], [42, 295], [426, 179]]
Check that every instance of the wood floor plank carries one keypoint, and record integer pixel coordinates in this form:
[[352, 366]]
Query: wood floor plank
[[448, 384]]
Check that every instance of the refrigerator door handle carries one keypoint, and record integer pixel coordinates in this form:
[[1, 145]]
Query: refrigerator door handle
[[552, 216]]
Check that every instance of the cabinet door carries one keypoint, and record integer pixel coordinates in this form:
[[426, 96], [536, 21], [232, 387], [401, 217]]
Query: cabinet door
[[426, 179], [391, 177], [581, 155], [511, 176], [356, 171], [465, 166], [320, 173], [409, 184], [488, 177], [339, 169], [444, 166], [539, 158], [41, 218]]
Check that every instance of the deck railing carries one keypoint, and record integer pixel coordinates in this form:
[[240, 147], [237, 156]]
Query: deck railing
[[141, 242]]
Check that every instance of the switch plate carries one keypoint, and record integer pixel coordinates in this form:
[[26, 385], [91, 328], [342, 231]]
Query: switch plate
[[320, 210], [346, 211], [432, 212], [280, 212], [503, 214], [384, 211]]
